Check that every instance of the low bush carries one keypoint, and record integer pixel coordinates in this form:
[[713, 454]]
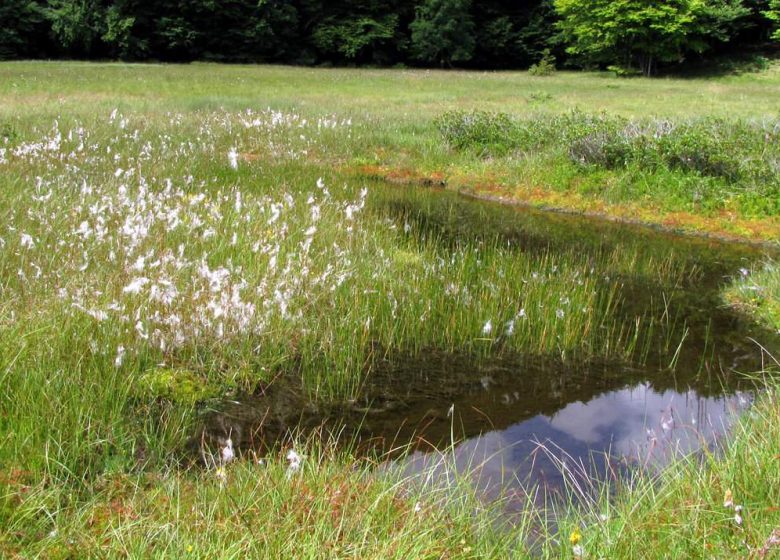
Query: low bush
[[545, 66], [735, 150]]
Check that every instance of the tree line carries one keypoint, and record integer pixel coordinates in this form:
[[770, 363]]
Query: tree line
[[634, 35]]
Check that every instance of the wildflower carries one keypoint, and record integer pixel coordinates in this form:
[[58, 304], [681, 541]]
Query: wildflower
[[227, 452], [728, 499], [578, 551], [559, 313], [486, 330], [233, 158], [294, 462], [27, 241], [510, 327], [575, 537], [221, 475], [738, 515], [120, 356], [135, 286], [417, 507]]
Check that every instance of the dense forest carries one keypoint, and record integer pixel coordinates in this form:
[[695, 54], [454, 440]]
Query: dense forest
[[631, 35]]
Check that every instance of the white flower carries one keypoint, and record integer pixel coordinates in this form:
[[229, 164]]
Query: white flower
[[227, 452], [488, 328], [578, 551], [738, 515], [120, 356], [233, 158], [559, 313], [293, 462], [27, 241], [136, 285]]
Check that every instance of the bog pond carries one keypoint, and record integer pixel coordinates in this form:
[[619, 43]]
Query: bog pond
[[513, 417]]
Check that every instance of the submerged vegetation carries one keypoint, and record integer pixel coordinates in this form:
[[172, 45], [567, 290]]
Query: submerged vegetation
[[159, 256]]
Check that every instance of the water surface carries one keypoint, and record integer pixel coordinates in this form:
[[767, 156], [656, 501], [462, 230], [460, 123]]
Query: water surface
[[531, 419]]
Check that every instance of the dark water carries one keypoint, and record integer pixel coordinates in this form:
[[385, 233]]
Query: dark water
[[520, 419]]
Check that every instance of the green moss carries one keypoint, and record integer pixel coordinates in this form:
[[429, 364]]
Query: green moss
[[175, 384]]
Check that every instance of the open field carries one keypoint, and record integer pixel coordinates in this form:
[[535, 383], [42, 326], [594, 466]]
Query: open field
[[393, 113], [175, 235]]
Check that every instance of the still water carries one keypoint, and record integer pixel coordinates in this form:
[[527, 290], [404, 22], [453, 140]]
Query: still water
[[517, 419]]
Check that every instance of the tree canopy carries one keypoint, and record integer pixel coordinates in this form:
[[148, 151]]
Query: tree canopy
[[485, 34], [645, 33]]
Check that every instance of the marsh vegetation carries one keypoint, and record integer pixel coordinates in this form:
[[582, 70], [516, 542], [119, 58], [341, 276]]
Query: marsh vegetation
[[170, 264]]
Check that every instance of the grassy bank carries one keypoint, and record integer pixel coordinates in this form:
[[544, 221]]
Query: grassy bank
[[757, 293]]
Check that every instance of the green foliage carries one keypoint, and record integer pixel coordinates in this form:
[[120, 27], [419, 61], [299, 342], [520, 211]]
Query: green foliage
[[76, 24], [20, 27], [8, 133], [118, 30], [443, 32], [177, 385], [351, 38], [631, 32], [490, 34], [481, 131], [773, 13], [743, 154], [545, 66]]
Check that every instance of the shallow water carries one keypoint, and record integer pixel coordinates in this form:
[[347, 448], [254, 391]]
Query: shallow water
[[531, 419]]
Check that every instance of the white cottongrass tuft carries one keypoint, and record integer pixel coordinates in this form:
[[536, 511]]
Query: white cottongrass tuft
[[294, 461], [227, 453]]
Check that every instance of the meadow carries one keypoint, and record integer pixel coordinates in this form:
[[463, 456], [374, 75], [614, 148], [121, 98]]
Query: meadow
[[172, 235]]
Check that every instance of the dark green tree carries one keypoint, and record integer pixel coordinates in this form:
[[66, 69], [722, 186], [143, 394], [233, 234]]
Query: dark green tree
[[77, 24], [443, 32], [22, 28]]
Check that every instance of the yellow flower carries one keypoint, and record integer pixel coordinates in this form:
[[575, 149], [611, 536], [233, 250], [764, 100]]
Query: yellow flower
[[575, 537], [728, 499]]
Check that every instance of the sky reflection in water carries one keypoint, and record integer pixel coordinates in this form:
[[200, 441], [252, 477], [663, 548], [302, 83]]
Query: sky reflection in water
[[634, 426]]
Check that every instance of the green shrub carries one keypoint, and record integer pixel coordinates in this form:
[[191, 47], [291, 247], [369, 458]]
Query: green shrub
[[545, 66], [738, 151], [486, 133]]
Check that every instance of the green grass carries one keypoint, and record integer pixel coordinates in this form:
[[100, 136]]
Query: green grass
[[183, 246], [757, 294], [394, 111]]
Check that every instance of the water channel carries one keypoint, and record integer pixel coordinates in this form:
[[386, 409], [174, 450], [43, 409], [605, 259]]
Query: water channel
[[531, 419]]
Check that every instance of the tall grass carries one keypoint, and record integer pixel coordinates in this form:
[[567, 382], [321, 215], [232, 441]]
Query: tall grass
[[757, 294], [205, 269]]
